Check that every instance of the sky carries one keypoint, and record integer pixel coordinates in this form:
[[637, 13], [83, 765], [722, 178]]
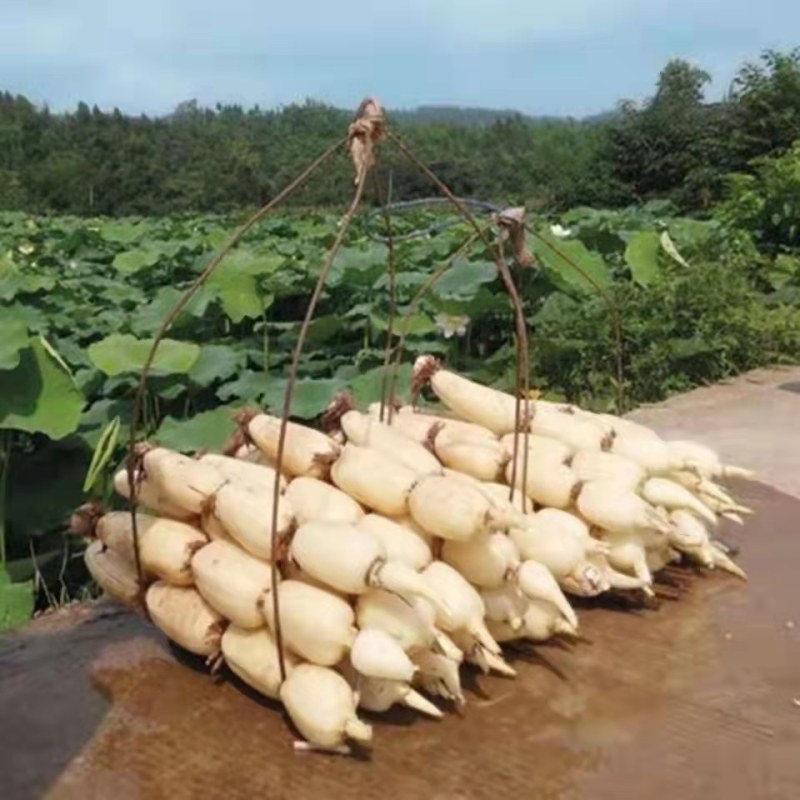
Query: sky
[[562, 57]]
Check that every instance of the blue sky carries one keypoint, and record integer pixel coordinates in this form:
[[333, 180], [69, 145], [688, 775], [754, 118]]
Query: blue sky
[[559, 57]]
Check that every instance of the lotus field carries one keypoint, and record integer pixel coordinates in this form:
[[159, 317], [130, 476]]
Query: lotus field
[[658, 304]]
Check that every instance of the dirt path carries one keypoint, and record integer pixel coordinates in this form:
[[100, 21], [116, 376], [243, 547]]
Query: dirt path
[[699, 698], [753, 421]]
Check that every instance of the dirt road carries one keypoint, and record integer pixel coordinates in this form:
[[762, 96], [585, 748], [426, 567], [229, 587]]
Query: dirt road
[[699, 698]]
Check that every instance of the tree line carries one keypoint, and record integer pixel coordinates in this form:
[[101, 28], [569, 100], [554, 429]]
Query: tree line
[[674, 145]]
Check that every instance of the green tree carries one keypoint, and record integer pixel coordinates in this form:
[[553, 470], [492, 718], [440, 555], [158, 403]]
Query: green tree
[[680, 87], [767, 203], [675, 145], [766, 98]]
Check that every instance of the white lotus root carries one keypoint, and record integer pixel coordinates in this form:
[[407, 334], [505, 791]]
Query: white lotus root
[[402, 556]]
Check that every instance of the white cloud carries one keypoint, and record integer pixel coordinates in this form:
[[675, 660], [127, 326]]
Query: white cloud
[[504, 20], [98, 26], [567, 54]]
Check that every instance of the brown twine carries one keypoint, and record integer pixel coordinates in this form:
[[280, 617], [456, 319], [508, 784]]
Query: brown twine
[[387, 217], [366, 129], [516, 302], [522, 416], [173, 315], [511, 223], [363, 134]]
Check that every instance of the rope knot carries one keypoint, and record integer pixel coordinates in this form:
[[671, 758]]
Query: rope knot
[[367, 128], [512, 226]]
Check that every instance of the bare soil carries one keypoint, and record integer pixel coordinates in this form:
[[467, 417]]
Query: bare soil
[[698, 698]]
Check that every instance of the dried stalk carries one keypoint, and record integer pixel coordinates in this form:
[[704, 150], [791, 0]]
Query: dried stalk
[[173, 315], [362, 135], [516, 302]]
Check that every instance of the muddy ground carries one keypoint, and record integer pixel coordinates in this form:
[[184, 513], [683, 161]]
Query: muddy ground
[[699, 698], [752, 420]]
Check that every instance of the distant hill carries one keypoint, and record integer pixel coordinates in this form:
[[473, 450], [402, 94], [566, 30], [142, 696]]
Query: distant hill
[[603, 116], [457, 115], [472, 116]]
